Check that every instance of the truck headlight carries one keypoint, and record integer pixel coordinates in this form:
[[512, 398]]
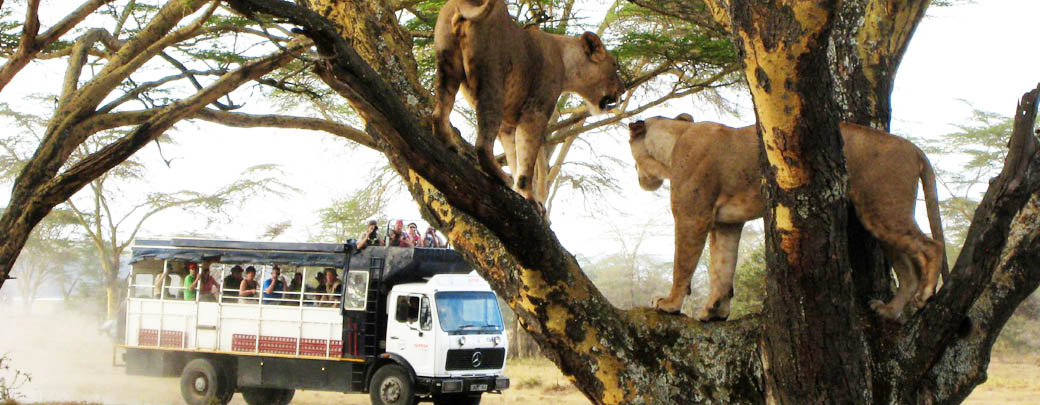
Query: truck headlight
[[501, 383], [453, 386]]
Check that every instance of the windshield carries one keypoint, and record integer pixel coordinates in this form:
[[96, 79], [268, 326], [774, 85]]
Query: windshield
[[468, 312]]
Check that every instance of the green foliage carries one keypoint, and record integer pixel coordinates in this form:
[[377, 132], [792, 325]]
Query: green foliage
[[749, 282], [345, 218]]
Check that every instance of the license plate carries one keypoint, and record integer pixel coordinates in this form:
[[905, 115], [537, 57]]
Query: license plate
[[478, 387]]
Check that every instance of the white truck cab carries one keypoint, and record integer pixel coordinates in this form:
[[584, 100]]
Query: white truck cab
[[405, 325]]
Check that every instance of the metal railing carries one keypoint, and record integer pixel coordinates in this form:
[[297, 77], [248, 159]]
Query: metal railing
[[228, 296]]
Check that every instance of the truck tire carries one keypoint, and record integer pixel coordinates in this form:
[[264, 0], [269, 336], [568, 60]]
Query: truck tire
[[202, 384], [391, 385], [456, 399], [267, 396]]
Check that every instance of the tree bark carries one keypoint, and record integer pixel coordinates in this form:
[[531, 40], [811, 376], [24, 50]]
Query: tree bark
[[812, 342]]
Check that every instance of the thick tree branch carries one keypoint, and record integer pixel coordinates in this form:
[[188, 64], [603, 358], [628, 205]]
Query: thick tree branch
[[243, 120], [995, 272], [78, 57], [28, 47]]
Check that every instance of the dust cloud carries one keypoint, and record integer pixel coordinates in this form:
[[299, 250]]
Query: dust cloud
[[70, 360]]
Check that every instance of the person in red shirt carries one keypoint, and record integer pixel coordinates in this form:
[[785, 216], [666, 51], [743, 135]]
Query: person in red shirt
[[208, 286]]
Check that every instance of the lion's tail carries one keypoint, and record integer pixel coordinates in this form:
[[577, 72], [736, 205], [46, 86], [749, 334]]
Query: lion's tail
[[475, 10], [931, 202]]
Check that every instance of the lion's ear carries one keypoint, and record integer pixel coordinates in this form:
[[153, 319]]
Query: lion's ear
[[684, 117], [636, 130], [594, 48]]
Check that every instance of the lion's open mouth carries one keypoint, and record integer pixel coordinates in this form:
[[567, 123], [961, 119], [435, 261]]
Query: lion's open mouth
[[608, 102]]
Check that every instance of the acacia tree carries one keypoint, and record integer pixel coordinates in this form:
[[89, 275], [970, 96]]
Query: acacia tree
[[639, 356]]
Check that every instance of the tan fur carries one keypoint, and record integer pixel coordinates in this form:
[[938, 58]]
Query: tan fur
[[716, 187], [513, 76]]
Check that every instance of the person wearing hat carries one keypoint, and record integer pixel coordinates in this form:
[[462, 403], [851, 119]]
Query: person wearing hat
[[371, 235], [191, 281]]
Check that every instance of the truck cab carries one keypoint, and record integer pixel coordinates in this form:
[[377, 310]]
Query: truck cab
[[449, 329], [405, 325]]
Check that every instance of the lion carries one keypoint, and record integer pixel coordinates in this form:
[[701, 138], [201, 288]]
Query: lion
[[716, 187], [513, 76]]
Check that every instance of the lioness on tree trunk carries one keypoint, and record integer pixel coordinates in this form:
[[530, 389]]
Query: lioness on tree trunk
[[716, 188], [513, 76]]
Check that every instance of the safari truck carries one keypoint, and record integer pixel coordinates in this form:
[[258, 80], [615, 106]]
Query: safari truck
[[404, 324]]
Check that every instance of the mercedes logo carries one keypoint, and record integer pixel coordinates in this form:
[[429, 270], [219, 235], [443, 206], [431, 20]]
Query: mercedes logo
[[476, 360]]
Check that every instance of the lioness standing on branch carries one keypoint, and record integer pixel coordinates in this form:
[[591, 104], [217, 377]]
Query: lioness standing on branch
[[716, 186], [513, 76]]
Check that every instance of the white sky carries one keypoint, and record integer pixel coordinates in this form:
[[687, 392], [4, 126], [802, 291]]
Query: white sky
[[976, 52]]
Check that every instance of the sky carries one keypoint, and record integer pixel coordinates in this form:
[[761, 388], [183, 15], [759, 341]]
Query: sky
[[977, 52]]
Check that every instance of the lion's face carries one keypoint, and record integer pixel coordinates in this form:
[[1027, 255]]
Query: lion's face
[[601, 85], [647, 168]]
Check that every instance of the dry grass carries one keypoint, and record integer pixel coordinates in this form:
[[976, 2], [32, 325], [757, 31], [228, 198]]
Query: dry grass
[[70, 362]]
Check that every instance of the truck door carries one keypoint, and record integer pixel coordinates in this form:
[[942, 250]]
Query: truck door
[[410, 332]]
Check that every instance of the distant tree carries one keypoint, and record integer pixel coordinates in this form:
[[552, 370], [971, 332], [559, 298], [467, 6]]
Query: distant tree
[[49, 248], [629, 277], [345, 217]]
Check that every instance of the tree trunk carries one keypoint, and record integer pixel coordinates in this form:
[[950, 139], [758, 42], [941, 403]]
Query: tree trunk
[[812, 338]]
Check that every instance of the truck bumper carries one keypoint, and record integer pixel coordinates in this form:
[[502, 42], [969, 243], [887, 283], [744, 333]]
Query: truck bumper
[[448, 385]]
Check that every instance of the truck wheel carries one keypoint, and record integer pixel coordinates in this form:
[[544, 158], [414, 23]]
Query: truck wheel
[[267, 396], [457, 399], [201, 384], [391, 386]]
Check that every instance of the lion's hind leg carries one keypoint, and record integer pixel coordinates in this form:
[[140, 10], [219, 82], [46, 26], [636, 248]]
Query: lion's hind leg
[[924, 254], [908, 279], [723, 246]]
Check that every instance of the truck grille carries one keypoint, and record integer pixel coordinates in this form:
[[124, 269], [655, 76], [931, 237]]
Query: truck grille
[[468, 359]]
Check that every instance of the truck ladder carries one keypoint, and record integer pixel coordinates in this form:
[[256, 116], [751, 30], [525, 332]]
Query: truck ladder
[[373, 323]]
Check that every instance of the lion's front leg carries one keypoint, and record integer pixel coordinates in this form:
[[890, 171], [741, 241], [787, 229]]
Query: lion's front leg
[[725, 241], [531, 130], [690, 234]]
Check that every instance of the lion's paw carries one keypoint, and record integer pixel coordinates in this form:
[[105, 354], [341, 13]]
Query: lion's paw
[[667, 305], [885, 311], [706, 315]]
